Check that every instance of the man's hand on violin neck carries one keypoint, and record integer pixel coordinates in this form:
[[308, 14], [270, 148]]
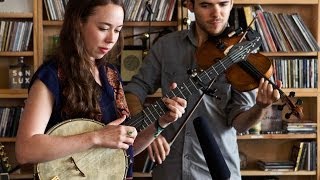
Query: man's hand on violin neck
[[266, 94]]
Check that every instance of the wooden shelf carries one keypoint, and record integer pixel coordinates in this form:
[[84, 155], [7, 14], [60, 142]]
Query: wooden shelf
[[13, 93], [21, 176], [153, 24], [52, 23], [279, 2], [302, 92], [140, 174], [278, 136], [126, 24], [252, 173], [21, 53], [277, 173], [7, 139], [16, 15], [290, 54]]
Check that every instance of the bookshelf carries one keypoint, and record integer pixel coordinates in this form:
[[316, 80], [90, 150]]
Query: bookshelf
[[278, 146], [26, 12], [271, 146], [10, 57]]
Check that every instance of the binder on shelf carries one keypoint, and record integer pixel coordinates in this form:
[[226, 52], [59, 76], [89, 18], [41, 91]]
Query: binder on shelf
[[296, 154]]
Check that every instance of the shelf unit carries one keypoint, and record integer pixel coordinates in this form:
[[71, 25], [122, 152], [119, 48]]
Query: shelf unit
[[14, 97], [278, 146], [255, 145]]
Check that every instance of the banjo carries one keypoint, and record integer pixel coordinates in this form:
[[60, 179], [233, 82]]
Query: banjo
[[105, 163]]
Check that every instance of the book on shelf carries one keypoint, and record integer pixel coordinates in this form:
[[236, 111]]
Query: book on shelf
[[249, 16], [10, 117], [304, 155], [264, 46], [286, 31], [313, 45], [2, 28], [276, 165], [55, 9], [296, 72], [280, 32], [296, 154], [271, 121], [15, 35], [162, 10], [265, 30], [273, 32], [299, 127], [8, 35], [4, 36]]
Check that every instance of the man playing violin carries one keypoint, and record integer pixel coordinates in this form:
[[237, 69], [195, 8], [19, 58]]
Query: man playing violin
[[234, 111]]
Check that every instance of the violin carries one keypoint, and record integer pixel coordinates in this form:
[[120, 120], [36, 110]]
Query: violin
[[244, 75]]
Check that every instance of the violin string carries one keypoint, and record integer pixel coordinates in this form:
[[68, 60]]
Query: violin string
[[232, 55]]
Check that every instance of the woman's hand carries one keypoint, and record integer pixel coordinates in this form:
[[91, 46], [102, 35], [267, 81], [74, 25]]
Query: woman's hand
[[115, 136]]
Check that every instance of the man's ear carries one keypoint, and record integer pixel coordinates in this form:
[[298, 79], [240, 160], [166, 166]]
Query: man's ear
[[190, 5]]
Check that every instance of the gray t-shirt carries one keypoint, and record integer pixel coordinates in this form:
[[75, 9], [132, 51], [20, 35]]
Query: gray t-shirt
[[167, 62]]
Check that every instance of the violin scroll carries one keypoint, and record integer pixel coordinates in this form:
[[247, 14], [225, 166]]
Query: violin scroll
[[294, 108]]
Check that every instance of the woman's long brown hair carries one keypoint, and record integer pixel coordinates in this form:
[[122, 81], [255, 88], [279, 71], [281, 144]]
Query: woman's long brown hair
[[80, 91]]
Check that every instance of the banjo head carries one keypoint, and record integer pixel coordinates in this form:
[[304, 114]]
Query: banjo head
[[95, 163]]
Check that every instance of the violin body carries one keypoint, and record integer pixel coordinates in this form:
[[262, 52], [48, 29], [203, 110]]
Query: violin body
[[243, 75], [237, 75]]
